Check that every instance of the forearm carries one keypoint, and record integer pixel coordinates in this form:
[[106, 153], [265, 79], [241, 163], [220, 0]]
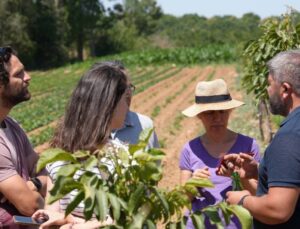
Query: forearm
[[265, 210], [34, 202]]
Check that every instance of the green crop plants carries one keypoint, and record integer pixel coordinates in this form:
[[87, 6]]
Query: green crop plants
[[129, 192], [155, 111]]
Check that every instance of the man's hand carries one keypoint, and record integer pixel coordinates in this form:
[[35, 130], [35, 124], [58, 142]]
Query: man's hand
[[242, 163], [233, 197]]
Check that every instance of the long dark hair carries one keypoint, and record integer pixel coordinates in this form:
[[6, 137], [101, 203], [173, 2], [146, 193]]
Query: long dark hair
[[86, 123]]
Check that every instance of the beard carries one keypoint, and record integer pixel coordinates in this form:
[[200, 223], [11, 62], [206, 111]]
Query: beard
[[12, 97], [277, 106]]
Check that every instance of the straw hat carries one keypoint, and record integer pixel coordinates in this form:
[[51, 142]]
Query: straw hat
[[211, 95]]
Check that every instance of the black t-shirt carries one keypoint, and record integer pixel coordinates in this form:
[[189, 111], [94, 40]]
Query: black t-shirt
[[280, 166]]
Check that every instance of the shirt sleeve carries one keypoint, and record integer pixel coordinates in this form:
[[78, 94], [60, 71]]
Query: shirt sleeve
[[184, 161], [154, 140], [283, 161], [255, 151], [7, 166]]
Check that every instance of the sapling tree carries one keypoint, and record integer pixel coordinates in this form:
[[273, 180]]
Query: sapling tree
[[278, 34], [127, 190]]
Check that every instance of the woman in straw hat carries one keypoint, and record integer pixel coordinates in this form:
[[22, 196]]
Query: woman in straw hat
[[201, 156]]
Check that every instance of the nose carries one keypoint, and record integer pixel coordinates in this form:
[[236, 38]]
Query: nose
[[217, 115], [27, 77]]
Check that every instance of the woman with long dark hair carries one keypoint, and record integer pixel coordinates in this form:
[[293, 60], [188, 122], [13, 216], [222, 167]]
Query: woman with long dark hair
[[97, 106]]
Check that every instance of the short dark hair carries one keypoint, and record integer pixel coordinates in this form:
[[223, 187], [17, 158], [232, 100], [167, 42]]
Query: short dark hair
[[5, 54], [88, 116]]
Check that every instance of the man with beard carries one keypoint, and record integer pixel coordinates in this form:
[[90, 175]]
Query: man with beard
[[276, 204], [22, 191]]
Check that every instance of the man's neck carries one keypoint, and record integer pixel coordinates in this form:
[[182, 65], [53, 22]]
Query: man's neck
[[295, 104], [4, 111]]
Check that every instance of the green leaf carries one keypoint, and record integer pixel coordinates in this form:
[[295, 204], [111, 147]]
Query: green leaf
[[182, 223], [68, 170], [156, 152], [198, 220], [62, 186], [140, 217], [116, 208], [101, 204], [136, 198], [90, 162], [164, 204], [52, 155], [89, 202], [81, 154], [145, 135], [242, 214], [200, 182], [213, 215], [223, 206], [150, 224], [74, 203]]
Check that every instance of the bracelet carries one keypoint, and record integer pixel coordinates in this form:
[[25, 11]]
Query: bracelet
[[37, 183], [241, 202]]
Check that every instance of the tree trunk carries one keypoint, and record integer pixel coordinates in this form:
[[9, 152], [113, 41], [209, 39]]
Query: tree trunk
[[264, 118], [80, 47]]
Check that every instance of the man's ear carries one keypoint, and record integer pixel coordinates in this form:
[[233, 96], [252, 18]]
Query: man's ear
[[287, 89]]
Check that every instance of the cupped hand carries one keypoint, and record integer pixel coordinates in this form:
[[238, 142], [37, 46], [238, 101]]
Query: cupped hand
[[249, 166]]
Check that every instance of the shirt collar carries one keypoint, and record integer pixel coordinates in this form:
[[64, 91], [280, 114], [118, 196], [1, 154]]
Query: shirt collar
[[128, 120], [290, 116]]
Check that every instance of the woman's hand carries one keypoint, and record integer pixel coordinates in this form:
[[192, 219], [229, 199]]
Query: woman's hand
[[201, 173]]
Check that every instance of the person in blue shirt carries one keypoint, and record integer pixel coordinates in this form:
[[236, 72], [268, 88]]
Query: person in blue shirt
[[134, 122], [277, 203]]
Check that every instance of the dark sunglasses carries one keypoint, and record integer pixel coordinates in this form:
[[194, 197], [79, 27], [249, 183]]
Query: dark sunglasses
[[131, 87]]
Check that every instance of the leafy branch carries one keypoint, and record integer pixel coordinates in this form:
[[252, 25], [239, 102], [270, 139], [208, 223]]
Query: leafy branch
[[126, 188]]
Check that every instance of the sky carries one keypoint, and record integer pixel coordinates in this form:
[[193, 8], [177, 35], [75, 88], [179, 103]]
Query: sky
[[210, 8]]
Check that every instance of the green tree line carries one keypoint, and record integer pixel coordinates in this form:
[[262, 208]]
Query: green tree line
[[50, 33]]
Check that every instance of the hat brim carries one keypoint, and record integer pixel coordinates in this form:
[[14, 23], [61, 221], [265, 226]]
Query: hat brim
[[198, 108]]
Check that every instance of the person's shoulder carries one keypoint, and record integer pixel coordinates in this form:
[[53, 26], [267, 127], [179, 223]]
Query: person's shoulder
[[246, 138], [192, 142], [13, 125], [10, 121], [142, 118]]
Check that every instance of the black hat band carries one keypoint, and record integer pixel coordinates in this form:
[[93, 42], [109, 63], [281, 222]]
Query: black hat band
[[212, 98]]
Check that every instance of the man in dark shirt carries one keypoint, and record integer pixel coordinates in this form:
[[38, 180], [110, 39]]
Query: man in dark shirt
[[276, 204]]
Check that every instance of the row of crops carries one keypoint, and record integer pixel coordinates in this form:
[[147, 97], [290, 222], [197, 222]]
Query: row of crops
[[51, 89]]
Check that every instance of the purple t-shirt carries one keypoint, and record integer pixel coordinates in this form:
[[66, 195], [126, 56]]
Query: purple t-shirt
[[195, 156], [17, 157]]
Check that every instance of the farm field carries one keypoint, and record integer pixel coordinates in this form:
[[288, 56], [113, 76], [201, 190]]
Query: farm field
[[161, 93]]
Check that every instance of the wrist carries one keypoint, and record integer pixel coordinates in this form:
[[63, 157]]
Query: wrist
[[37, 183], [241, 202]]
